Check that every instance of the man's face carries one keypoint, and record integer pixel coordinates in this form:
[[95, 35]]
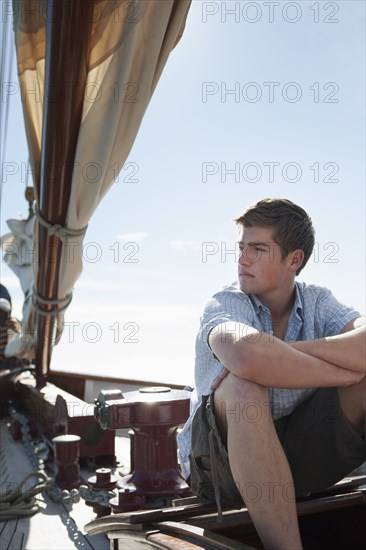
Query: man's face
[[261, 269]]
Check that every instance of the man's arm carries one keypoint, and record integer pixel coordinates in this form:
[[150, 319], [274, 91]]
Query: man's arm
[[346, 350], [266, 360]]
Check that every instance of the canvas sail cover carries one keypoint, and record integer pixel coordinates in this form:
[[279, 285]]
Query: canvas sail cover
[[81, 125]]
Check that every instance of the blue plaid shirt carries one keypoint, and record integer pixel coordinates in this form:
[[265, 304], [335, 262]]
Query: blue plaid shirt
[[315, 314]]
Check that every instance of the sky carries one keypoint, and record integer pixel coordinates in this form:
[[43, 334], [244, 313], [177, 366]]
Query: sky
[[259, 99]]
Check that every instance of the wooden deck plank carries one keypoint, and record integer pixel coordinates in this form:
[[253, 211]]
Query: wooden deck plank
[[198, 534], [52, 527], [7, 534], [17, 542]]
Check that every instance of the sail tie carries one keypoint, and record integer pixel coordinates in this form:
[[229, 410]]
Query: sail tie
[[60, 231], [61, 303]]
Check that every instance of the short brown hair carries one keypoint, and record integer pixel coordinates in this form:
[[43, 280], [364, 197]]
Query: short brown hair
[[292, 226]]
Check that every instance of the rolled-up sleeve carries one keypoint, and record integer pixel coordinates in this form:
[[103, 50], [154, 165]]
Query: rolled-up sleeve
[[335, 314], [224, 307]]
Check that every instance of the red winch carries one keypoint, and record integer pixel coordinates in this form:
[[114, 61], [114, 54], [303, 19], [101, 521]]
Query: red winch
[[154, 415]]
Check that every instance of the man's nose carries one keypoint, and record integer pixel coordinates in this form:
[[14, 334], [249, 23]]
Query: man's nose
[[244, 256]]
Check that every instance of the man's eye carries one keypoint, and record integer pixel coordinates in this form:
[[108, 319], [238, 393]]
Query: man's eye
[[258, 248]]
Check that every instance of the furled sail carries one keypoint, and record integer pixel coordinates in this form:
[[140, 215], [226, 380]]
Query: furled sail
[[87, 71]]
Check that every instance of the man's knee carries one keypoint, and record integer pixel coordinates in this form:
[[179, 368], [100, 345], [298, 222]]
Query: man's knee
[[234, 388], [238, 400]]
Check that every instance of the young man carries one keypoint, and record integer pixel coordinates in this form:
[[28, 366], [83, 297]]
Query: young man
[[280, 381]]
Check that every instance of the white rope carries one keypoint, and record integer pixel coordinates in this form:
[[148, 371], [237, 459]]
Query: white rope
[[18, 503], [61, 304], [63, 233]]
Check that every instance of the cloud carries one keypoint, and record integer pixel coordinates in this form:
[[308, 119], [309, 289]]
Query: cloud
[[184, 245], [157, 274], [132, 237], [90, 284]]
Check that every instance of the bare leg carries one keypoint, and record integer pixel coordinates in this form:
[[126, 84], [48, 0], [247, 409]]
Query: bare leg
[[258, 462], [353, 404]]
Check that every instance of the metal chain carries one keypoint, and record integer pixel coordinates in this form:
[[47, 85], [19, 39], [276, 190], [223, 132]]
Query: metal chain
[[100, 497], [36, 449], [38, 452]]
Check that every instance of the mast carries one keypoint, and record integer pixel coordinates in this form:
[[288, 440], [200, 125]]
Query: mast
[[68, 34]]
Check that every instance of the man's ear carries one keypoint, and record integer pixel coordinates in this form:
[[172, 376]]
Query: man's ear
[[295, 259]]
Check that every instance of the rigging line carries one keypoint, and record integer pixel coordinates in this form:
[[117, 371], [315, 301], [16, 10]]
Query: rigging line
[[4, 39], [3, 42], [6, 47], [7, 109], [6, 119]]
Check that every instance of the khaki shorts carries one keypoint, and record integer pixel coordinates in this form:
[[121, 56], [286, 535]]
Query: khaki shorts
[[320, 444]]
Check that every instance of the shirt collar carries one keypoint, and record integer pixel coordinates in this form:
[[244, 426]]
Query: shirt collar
[[258, 306], [297, 309]]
